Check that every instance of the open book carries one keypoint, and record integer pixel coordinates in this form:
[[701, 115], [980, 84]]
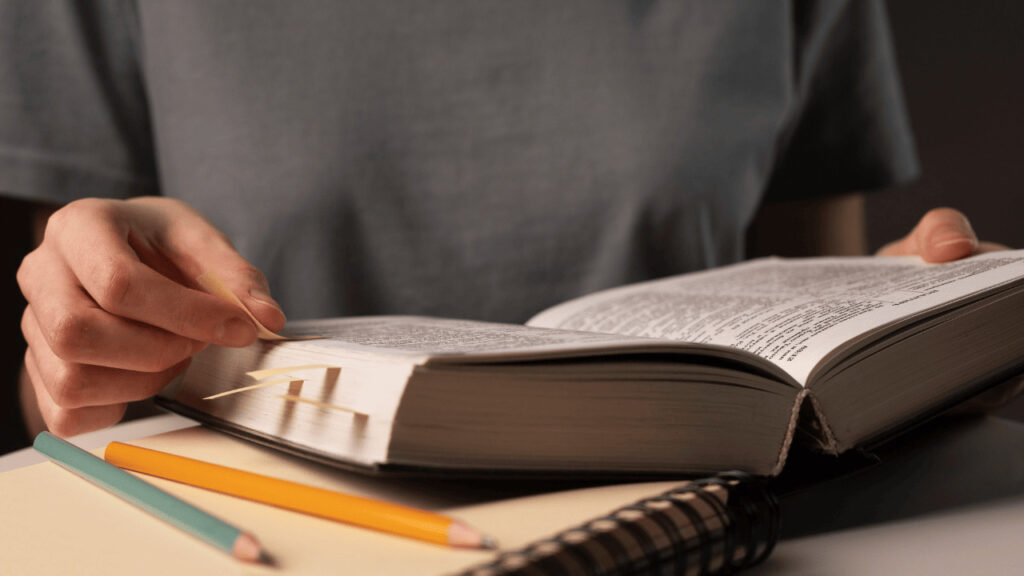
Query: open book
[[695, 373]]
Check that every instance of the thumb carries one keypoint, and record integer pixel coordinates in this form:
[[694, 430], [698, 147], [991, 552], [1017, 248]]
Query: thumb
[[942, 235]]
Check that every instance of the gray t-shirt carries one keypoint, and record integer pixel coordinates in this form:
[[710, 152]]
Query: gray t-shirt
[[470, 158]]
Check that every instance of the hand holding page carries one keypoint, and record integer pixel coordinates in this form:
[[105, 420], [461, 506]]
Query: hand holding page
[[214, 285]]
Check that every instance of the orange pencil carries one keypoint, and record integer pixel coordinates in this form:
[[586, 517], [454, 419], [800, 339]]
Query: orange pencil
[[365, 512]]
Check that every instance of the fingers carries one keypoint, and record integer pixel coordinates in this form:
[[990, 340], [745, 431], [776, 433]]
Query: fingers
[[75, 397], [86, 335], [65, 318], [69, 421], [249, 284], [945, 234], [242, 278], [113, 314], [196, 246], [91, 240], [942, 235]]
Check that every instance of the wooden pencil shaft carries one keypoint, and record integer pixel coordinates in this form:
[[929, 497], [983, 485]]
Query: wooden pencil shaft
[[139, 492], [365, 512]]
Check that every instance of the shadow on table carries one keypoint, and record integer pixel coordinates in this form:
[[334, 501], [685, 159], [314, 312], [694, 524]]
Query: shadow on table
[[954, 461]]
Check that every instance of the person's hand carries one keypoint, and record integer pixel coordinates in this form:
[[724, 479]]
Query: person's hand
[[942, 235], [113, 313]]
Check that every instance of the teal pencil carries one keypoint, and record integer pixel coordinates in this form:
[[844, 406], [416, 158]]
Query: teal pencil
[[150, 498]]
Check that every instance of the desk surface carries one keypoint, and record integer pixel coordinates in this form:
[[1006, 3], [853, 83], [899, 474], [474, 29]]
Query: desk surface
[[958, 500], [978, 539]]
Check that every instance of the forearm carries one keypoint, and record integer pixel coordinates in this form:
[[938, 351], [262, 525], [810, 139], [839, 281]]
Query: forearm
[[833, 226]]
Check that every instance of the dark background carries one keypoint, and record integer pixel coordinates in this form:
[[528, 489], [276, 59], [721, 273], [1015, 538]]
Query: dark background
[[962, 65]]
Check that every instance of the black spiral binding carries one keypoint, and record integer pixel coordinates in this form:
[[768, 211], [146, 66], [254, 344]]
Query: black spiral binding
[[720, 536]]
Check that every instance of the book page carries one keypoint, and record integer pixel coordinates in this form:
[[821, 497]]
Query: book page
[[790, 312], [412, 337]]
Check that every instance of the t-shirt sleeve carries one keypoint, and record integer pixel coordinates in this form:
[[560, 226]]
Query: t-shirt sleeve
[[849, 130], [73, 115]]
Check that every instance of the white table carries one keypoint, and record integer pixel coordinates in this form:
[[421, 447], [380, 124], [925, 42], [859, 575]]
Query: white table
[[122, 433], [950, 501]]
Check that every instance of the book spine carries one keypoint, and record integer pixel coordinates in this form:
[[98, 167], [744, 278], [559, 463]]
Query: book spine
[[714, 525]]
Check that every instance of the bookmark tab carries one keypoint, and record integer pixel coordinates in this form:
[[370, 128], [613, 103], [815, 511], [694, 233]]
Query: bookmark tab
[[300, 399], [255, 387], [333, 372], [212, 284], [268, 372]]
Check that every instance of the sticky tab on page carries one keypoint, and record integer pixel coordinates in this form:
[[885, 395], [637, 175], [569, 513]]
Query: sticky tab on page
[[268, 372], [317, 403], [254, 387], [212, 284]]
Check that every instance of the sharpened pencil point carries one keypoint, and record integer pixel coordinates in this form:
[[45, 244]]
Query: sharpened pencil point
[[462, 536], [488, 543], [247, 548]]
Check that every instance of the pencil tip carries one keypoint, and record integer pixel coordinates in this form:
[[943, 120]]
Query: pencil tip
[[247, 548], [488, 543], [267, 560], [462, 536]]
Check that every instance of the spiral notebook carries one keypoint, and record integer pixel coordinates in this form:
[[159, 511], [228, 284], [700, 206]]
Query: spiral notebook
[[715, 525], [711, 526]]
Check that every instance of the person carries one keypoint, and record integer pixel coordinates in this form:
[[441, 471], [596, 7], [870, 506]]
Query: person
[[468, 159]]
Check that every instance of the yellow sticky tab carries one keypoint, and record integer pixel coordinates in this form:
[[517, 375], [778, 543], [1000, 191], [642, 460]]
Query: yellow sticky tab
[[300, 399], [268, 372], [212, 284], [253, 387]]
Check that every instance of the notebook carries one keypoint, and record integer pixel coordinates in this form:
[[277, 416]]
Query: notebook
[[54, 523]]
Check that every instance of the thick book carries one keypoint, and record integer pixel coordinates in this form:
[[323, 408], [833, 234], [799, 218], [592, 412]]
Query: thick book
[[715, 370]]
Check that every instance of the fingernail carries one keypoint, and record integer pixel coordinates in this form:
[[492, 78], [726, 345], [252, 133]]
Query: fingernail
[[236, 332], [952, 241], [950, 236], [263, 296]]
